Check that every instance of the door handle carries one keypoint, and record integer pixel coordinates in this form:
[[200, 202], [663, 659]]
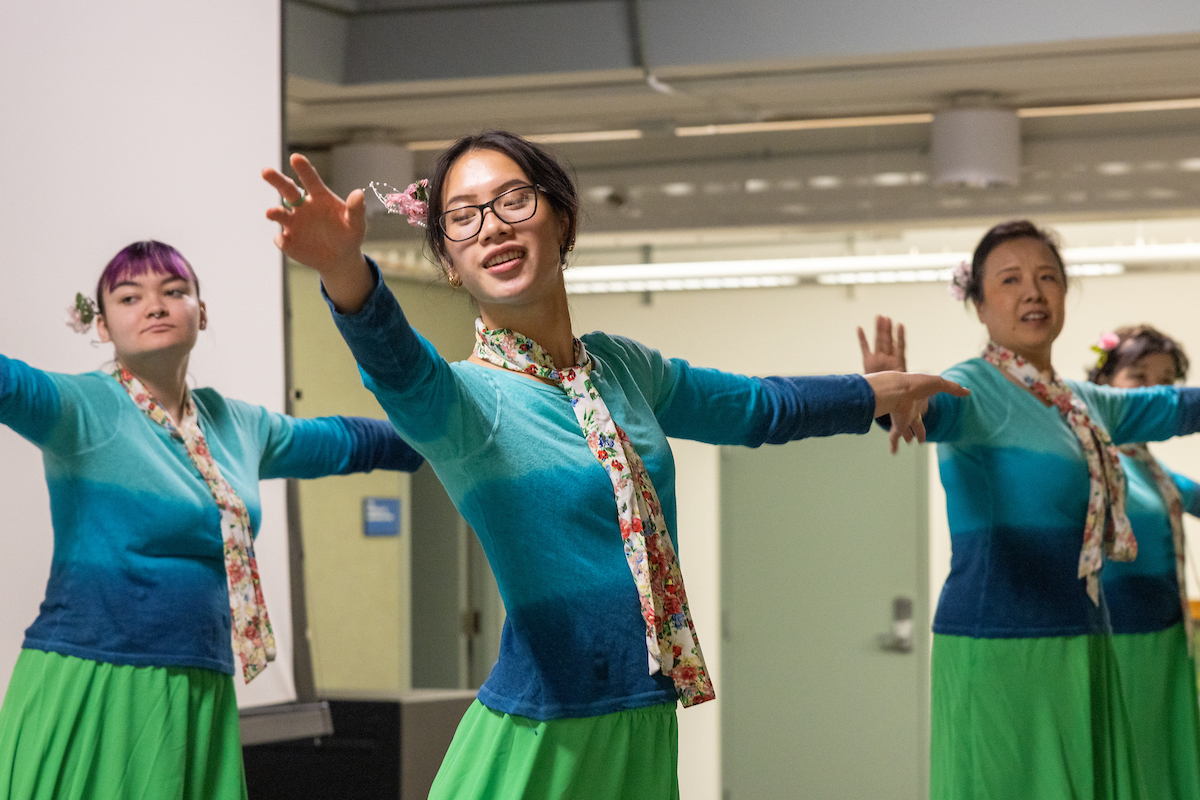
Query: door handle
[[900, 638]]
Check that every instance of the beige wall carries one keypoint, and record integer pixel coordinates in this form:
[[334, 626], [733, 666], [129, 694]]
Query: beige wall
[[357, 586]]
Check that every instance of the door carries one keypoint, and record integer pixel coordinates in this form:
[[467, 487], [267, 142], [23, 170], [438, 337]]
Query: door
[[457, 613], [819, 538]]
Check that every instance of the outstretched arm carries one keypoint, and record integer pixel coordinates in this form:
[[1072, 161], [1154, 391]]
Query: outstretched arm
[[313, 448], [324, 232], [1189, 493], [29, 400], [723, 408]]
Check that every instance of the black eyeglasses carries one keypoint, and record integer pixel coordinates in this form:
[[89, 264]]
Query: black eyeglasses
[[464, 222]]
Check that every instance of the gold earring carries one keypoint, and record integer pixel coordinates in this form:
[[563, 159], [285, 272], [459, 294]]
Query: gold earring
[[454, 280]]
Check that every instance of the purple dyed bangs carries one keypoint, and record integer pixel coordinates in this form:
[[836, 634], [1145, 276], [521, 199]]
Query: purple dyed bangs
[[139, 258]]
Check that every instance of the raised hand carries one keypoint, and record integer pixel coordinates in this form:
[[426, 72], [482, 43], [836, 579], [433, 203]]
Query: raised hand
[[322, 231], [889, 350], [905, 397]]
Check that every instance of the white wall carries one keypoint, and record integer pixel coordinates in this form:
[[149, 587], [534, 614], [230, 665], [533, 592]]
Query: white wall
[[126, 121], [810, 330]]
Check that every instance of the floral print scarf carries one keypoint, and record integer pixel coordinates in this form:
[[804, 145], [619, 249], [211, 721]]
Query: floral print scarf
[[671, 641], [253, 638], [1170, 495], [1107, 530]]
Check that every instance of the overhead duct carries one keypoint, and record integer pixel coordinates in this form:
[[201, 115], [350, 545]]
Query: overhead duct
[[976, 146], [355, 164]]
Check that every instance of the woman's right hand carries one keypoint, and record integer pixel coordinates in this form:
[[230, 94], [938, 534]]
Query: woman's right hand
[[905, 397], [323, 232], [888, 355]]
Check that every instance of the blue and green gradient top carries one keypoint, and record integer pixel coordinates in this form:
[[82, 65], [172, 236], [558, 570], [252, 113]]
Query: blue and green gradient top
[[511, 454], [138, 572], [1017, 486], [1143, 594]]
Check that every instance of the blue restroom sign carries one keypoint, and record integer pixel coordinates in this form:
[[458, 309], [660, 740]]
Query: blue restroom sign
[[381, 516]]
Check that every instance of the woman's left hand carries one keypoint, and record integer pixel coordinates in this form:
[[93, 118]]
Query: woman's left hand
[[905, 397]]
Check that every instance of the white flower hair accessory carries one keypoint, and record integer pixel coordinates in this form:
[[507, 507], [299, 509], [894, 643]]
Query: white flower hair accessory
[[81, 315], [960, 281], [413, 201]]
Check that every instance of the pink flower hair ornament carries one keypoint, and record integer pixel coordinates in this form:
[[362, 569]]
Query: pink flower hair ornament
[[413, 201], [960, 281], [1103, 346], [81, 315]]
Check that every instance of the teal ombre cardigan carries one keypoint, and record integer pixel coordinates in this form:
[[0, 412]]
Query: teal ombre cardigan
[[138, 573], [511, 454]]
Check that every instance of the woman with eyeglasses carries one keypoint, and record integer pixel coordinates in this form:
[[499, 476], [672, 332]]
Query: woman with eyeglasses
[[554, 449], [1147, 598]]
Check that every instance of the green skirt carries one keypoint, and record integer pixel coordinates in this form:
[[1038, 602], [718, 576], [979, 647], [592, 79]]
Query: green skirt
[[1036, 719], [619, 756], [73, 729], [1159, 679]]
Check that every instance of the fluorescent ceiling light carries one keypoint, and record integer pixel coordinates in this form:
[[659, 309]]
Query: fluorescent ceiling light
[[805, 124], [430, 144], [545, 138], [585, 136], [1137, 106], [682, 284], [1177, 104], [886, 276], [827, 123], [943, 275], [889, 268]]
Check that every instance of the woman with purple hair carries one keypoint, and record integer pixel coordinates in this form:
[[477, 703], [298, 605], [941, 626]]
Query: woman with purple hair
[[124, 686]]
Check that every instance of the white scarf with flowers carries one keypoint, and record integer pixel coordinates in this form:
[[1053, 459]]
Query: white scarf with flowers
[[1107, 530], [1174, 502], [671, 641], [253, 638]]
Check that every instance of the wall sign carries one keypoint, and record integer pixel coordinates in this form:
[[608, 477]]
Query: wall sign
[[381, 516]]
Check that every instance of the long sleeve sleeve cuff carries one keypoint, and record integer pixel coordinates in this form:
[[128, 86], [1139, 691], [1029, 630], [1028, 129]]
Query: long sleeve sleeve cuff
[[817, 406]]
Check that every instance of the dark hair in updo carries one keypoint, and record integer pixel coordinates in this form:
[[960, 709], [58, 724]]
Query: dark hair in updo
[[998, 235], [1137, 342], [553, 181]]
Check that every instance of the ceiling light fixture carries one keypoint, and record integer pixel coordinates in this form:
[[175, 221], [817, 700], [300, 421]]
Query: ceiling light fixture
[[1142, 106], [886, 268], [576, 137], [682, 284], [804, 124], [1178, 104], [943, 275], [829, 123]]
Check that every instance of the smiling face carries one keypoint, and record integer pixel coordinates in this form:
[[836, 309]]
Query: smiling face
[[1155, 369], [150, 315], [505, 264], [1024, 292]]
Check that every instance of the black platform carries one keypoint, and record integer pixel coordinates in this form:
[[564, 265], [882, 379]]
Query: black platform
[[379, 750]]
